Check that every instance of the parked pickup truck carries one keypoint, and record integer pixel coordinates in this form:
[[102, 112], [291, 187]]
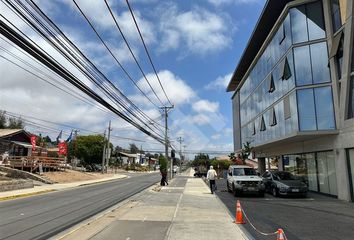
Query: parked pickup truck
[[244, 179]]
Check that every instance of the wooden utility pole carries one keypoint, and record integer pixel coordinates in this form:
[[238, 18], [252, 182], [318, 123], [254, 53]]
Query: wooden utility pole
[[104, 151], [180, 140], [165, 112], [108, 147]]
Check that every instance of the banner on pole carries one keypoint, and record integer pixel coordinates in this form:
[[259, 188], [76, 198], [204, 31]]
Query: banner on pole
[[33, 142]]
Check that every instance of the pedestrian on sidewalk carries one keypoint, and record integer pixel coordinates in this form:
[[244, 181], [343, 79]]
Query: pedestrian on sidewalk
[[211, 175], [163, 177]]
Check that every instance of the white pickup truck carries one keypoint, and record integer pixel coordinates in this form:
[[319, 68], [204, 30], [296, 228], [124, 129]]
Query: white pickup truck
[[244, 179]]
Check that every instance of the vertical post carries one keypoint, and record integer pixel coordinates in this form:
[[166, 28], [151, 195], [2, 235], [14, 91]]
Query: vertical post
[[108, 146], [165, 109], [104, 151], [180, 140]]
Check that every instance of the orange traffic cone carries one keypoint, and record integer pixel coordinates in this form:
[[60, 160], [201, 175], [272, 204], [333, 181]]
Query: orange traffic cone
[[239, 216], [280, 234]]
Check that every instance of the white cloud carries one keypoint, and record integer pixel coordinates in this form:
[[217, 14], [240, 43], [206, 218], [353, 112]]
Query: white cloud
[[198, 30], [205, 106], [237, 2], [216, 136], [176, 89], [219, 83], [97, 12]]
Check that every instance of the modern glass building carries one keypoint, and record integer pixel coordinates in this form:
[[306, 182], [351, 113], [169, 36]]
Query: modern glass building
[[294, 92]]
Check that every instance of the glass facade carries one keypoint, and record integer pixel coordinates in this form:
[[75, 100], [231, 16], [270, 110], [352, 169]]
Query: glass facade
[[350, 155], [317, 169], [336, 15], [315, 107], [351, 99], [269, 99]]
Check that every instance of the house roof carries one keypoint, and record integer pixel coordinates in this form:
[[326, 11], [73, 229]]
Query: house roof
[[9, 132], [133, 155], [266, 21]]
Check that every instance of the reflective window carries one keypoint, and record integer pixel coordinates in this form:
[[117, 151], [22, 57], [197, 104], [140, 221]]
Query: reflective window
[[306, 108], [302, 66], [351, 99], [351, 169], [298, 24], [339, 57], [326, 173], [324, 108], [315, 21], [336, 16], [319, 62]]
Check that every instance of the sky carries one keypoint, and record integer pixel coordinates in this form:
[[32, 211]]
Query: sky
[[195, 47]]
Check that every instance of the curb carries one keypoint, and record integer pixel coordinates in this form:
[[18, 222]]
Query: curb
[[26, 195], [54, 190], [90, 220]]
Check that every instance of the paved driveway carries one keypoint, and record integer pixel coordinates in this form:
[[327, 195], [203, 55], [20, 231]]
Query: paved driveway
[[316, 217]]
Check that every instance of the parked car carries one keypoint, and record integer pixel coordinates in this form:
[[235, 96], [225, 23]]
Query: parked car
[[280, 183], [244, 179], [175, 169]]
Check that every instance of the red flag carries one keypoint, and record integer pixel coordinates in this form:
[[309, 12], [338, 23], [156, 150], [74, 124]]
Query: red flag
[[63, 148], [33, 142]]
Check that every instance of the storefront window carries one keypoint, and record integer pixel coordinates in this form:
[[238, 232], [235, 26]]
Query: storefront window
[[317, 169], [326, 173]]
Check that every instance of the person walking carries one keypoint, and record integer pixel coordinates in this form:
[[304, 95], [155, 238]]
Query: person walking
[[211, 175], [163, 177]]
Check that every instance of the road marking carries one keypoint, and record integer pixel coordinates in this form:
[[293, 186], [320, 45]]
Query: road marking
[[21, 214], [128, 238], [144, 219]]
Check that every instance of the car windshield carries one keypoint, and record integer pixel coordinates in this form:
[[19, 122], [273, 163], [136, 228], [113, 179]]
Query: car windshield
[[244, 172], [283, 176]]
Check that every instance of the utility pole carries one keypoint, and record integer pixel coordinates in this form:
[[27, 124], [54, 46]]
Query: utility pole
[[104, 151], [108, 149], [165, 112], [180, 140]]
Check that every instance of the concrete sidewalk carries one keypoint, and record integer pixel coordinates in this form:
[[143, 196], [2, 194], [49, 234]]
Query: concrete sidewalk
[[183, 210], [54, 187]]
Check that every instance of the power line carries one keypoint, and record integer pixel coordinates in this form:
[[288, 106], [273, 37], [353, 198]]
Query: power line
[[146, 50], [90, 67], [130, 50], [75, 63], [61, 71], [111, 53], [26, 119]]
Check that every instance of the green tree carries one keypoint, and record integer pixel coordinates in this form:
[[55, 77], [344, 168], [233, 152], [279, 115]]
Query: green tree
[[133, 148], [246, 151], [15, 123], [201, 159], [232, 156], [89, 149], [2, 119]]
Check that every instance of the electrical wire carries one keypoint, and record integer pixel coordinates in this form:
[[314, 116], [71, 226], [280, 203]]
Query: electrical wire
[[130, 50], [145, 47]]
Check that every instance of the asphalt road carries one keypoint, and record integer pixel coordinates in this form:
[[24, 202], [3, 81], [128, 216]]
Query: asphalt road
[[43, 216], [316, 217]]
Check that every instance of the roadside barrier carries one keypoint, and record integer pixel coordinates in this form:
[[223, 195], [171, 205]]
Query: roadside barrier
[[239, 216], [239, 220]]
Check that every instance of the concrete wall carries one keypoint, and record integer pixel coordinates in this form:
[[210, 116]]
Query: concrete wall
[[15, 185], [14, 173]]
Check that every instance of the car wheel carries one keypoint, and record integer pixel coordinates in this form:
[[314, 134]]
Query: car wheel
[[228, 187], [234, 190], [275, 192]]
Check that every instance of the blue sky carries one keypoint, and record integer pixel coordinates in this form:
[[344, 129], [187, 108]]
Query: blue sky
[[195, 46]]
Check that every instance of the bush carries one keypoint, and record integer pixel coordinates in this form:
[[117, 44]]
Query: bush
[[223, 164]]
